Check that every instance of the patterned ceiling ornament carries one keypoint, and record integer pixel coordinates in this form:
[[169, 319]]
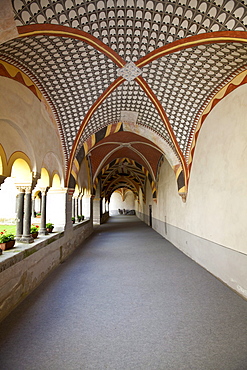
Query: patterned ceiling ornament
[[186, 50], [129, 72]]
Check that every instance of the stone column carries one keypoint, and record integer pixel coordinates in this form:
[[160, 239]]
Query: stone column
[[76, 209], [19, 213], [96, 210], [73, 206], [26, 237], [33, 207], [43, 230], [80, 211]]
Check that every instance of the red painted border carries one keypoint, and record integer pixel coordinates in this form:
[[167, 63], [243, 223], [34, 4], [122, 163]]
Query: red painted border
[[64, 31], [89, 114], [146, 88], [192, 41]]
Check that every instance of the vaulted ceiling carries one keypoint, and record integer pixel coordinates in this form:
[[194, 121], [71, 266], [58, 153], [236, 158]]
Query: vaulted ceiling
[[129, 81]]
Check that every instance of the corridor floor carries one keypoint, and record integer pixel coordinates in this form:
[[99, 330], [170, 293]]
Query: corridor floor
[[127, 299]]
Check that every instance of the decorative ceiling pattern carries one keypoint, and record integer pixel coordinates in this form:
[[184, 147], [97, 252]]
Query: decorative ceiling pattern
[[125, 144], [127, 97], [72, 73], [124, 171], [186, 80], [170, 89], [133, 28]]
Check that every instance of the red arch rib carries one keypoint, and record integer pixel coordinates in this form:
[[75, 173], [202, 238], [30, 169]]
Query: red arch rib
[[64, 31], [189, 42]]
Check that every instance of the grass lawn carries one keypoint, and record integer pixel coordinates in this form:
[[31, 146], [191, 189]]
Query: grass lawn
[[10, 229]]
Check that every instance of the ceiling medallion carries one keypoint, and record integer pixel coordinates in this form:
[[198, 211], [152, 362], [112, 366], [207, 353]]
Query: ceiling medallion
[[130, 71], [128, 117]]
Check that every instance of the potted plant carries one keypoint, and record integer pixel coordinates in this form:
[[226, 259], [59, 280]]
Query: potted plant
[[79, 218], [73, 219], [49, 227], [38, 214], [82, 217], [34, 230], [7, 241]]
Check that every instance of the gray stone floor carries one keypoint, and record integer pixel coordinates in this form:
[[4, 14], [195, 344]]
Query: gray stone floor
[[127, 299]]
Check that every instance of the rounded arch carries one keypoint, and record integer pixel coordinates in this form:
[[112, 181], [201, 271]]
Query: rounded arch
[[21, 171], [122, 199], [56, 182], [18, 155], [14, 136], [52, 164], [77, 190], [3, 162], [44, 180], [122, 183]]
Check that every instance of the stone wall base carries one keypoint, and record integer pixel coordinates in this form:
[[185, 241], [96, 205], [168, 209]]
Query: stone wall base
[[227, 264], [24, 267]]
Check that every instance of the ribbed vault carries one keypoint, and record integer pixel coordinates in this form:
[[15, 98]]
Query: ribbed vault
[[79, 55]]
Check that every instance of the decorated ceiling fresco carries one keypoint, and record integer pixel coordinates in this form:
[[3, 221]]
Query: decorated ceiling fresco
[[133, 65]]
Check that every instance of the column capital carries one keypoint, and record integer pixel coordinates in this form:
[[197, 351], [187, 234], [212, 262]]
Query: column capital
[[44, 189], [28, 189], [20, 189], [25, 186]]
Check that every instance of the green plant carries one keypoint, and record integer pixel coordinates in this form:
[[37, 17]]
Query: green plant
[[34, 229], [72, 218], [49, 225], [4, 237], [79, 218]]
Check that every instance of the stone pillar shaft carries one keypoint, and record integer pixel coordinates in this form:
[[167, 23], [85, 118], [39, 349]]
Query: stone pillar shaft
[[73, 207], [27, 238], [43, 230], [76, 209], [19, 215], [33, 207]]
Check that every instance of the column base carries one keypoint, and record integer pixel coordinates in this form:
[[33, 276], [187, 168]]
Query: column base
[[43, 232], [27, 239]]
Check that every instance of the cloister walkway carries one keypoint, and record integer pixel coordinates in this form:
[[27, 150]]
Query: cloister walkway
[[127, 299]]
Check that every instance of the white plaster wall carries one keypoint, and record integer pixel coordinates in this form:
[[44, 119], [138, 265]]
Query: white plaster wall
[[26, 125], [84, 175], [216, 205], [117, 203], [8, 194], [86, 205], [211, 226]]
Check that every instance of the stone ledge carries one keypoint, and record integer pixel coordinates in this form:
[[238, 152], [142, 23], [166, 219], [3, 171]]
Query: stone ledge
[[23, 268], [22, 251]]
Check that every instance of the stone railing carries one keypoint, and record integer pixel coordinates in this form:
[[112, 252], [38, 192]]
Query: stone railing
[[24, 267]]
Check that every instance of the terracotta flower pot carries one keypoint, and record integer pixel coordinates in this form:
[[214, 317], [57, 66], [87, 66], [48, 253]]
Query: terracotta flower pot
[[7, 245], [49, 229], [34, 235]]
